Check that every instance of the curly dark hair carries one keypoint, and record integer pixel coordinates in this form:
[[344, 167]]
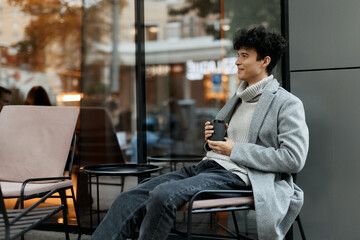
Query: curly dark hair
[[264, 42]]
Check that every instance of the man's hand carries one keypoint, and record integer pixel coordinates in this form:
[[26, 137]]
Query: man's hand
[[208, 130], [222, 147]]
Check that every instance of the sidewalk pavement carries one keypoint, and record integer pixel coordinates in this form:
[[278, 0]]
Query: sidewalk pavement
[[51, 235]]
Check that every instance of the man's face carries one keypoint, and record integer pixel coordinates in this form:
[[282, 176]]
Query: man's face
[[249, 69], [5, 99]]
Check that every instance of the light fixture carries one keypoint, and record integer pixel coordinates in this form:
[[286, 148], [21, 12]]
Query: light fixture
[[225, 27], [153, 29], [69, 97]]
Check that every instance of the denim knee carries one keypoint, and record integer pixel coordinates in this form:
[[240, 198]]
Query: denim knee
[[160, 196]]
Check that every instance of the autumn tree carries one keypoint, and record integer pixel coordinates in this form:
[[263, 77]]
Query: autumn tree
[[53, 37], [53, 33]]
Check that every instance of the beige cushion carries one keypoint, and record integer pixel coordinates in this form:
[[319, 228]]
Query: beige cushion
[[12, 189], [35, 141], [220, 203]]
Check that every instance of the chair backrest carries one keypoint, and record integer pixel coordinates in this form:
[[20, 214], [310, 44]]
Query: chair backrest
[[97, 138], [35, 141]]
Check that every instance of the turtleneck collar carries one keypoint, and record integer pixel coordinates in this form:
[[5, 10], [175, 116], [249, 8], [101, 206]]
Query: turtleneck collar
[[252, 93]]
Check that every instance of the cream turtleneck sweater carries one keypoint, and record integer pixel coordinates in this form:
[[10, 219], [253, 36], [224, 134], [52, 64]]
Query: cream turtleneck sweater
[[239, 125]]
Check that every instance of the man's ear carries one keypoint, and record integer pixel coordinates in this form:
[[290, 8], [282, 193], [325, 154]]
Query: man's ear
[[267, 61]]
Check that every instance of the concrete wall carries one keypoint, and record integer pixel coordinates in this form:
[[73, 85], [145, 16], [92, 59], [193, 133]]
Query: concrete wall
[[325, 36]]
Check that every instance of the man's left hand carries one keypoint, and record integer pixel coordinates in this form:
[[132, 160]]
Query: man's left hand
[[222, 147]]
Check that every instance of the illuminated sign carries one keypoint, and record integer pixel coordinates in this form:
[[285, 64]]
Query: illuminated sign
[[197, 70], [158, 70]]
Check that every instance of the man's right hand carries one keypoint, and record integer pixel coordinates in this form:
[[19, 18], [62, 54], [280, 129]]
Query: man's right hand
[[208, 130]]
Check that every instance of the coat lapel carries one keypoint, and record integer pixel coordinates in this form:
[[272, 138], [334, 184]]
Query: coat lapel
[[226, 112], [261, 110]]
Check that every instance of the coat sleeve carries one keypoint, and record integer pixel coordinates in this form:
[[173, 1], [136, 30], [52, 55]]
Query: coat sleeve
[[291, 140]]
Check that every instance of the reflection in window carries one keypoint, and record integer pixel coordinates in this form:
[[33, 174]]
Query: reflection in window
[[173, 30], [151, 32], [188, 54], [190, 26], [198, 38], [44, 50], [15, 13]]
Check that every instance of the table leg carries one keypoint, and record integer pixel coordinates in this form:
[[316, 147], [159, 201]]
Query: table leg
[[122, 179], [90, 200], [97, 199]]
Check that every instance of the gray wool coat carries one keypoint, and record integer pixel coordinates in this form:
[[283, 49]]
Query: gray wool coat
[[278, 146]]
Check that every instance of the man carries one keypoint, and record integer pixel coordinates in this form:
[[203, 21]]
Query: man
[[5, 97], [267, 140]]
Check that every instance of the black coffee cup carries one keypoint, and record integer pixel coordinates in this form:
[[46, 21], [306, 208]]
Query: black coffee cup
[[219, 130]]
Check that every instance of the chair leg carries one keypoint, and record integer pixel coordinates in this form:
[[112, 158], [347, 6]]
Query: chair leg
[[122, 183], [189, 225], [300, 228], [246, 224], [20, 204], [76, 213], [236, 224], [17, 204], [290, 233], [65, 212]]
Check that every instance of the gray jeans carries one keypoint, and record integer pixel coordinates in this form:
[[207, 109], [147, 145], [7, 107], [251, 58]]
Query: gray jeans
[[152, 205]]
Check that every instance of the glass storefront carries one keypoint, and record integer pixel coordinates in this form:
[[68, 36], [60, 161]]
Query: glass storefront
[[84, 54], [190, 65]]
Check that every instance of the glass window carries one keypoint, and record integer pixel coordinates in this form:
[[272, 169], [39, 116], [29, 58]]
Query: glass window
[[85, 56], [15, 25], [15, 12], [43, 49], [190, 68]]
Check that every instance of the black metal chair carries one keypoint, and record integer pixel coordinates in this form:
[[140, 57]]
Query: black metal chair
[[210, 201], [16, 222], [61, 191]]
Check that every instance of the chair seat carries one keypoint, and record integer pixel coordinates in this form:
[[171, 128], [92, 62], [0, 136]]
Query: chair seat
[[12, 189], [220, 203]]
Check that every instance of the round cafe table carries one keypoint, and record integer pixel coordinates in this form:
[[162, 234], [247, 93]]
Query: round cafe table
[[115, 169], [174, 159]]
